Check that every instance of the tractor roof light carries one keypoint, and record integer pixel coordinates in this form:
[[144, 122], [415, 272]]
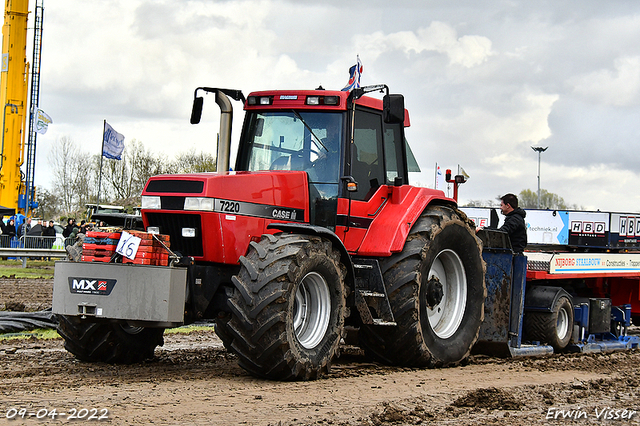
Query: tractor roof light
[[332, 100], [260, 100], [323, 100]]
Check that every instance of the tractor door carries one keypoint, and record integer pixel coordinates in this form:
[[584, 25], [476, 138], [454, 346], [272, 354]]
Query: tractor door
[[375, 159]]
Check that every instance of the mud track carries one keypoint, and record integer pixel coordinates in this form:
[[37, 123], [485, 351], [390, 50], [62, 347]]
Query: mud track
[[193, 380]]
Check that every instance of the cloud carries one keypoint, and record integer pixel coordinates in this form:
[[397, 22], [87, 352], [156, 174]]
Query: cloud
[[617, 87], [482, 84], [467, 51], [487, 132]]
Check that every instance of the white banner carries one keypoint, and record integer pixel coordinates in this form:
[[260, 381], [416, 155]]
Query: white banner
[[572, 263], [42, 121], [112, 143]]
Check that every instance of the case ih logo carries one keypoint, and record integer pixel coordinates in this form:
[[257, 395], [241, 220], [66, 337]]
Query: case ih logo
[[582, 227], [97, 286]]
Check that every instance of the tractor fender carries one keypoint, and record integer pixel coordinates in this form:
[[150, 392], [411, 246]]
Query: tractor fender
[[389, 230], [306, 229], [543, 298]]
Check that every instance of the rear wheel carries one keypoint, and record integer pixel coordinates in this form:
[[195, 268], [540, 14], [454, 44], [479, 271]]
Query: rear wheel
[[288, 307], [436, 291], [554, 328], [221, 327], [112, 343]]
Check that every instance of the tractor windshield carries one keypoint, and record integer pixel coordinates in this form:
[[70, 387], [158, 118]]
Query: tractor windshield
[[294, 140]]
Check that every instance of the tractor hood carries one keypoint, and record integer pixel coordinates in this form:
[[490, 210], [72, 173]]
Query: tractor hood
[[213, 216], [254, 193]]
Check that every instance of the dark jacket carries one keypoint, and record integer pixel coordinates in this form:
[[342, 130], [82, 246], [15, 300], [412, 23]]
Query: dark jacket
[[68, 229], [24, 229], [515, 226], [48, 231], [10, 229]]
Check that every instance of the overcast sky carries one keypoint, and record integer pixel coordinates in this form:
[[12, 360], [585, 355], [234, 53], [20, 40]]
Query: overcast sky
[[483, 81]]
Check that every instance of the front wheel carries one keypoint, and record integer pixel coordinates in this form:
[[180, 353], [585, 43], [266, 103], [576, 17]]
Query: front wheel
[[288, 307], [436, 291], [106, 342]]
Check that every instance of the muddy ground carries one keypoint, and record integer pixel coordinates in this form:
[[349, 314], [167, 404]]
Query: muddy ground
[[193, 380]]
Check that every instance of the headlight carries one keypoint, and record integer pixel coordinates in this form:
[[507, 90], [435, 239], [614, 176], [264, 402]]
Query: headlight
[[189, 232], [198, 203], [150, 202], [153, 229]]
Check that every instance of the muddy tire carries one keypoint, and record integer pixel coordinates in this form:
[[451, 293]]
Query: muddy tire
[[288, 307], [554, 328], [222, 330], [436, 290], [111, 343]]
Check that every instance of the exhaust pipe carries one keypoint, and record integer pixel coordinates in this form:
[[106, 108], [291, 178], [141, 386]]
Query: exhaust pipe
[[224, 138]]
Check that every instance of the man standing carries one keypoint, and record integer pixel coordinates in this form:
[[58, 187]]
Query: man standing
[[49, 233], [25, 228], [514, 223], [71, 223]]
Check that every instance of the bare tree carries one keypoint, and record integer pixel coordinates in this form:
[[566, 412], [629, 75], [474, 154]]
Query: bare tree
[[481, 203], [74, 176], [76, 173], [548, 200], [48, 204], [192, 162], [124, 179]]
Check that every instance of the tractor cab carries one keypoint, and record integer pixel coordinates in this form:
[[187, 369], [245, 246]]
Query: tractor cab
[[348, 144]]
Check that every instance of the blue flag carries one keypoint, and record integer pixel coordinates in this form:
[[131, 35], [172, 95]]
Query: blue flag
[[354, 76], [112, 143]]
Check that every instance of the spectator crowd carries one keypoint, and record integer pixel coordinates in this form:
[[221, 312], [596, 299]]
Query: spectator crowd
[[31, 233]]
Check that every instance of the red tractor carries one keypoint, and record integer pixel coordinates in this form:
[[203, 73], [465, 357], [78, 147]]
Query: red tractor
[[316, 229]]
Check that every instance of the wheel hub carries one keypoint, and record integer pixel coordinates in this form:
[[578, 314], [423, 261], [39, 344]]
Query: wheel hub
[[446, 294], [311, 310], [434, 292]]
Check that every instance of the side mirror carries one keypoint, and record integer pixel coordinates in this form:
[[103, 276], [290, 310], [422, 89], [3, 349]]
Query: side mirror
[[196, 111], [393, 109]]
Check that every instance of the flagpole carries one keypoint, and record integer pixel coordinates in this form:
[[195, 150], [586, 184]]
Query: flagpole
[[104, 128]]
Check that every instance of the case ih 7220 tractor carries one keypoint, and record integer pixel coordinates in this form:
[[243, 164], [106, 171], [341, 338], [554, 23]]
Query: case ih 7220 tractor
[[315, 230]]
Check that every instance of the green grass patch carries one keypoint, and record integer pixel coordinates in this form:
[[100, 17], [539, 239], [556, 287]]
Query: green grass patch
[[35, 269], [188, 329], [9, 272], [39, 333], [31, 263], [50, 333]]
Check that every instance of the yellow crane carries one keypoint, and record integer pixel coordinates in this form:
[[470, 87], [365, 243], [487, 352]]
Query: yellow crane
[[13, 98]]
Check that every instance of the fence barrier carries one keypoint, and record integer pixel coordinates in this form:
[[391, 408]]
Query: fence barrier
[[33, 246]]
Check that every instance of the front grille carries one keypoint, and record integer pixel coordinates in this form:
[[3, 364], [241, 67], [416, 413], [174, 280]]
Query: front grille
[[172, 203], [172, 224]]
